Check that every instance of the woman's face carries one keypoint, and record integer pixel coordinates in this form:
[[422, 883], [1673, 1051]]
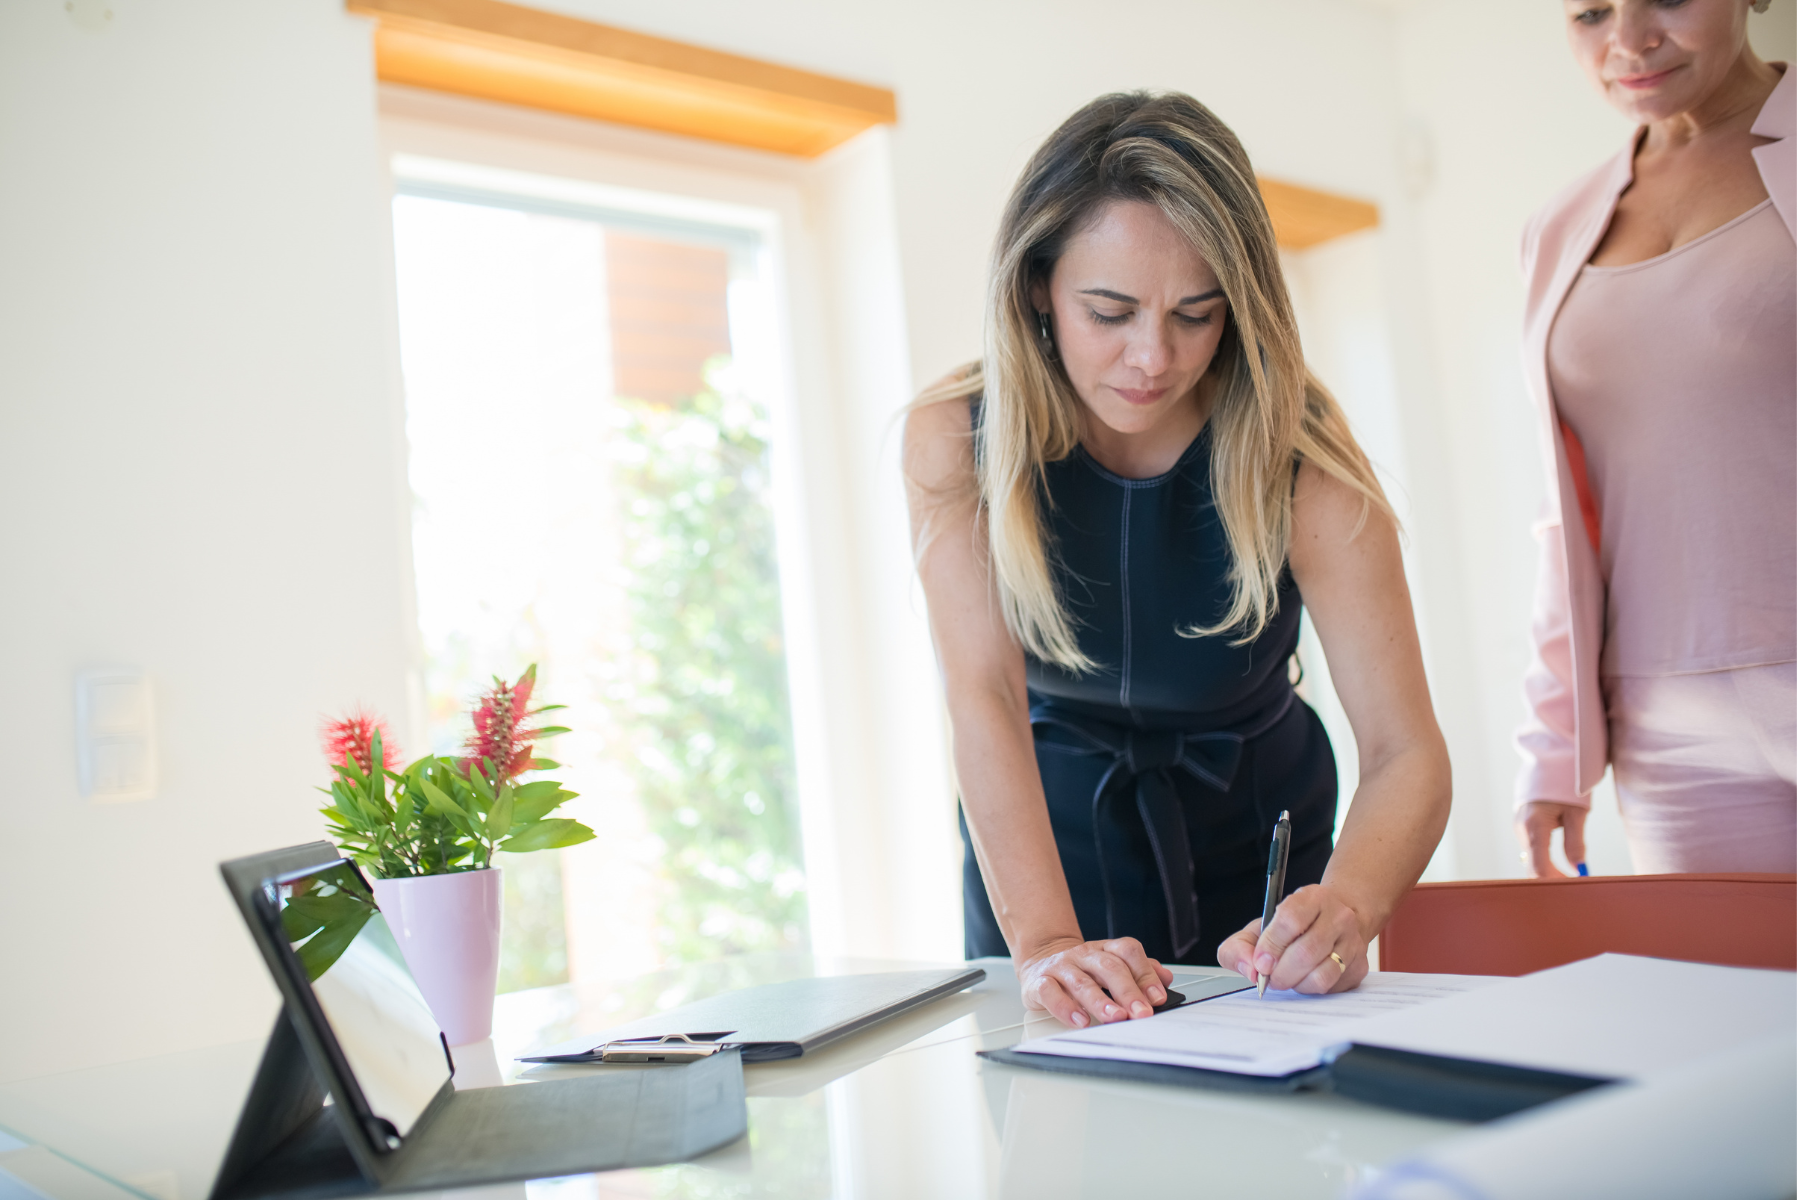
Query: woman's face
[[1654, 59], [1136, 315]]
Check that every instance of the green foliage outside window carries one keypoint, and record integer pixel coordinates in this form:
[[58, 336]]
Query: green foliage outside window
[[701, 710]]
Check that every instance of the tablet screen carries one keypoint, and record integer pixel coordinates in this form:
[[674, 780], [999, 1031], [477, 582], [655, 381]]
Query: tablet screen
[[374, 1008]]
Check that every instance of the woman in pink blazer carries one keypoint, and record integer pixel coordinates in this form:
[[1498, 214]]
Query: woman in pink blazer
[[1660, 354]]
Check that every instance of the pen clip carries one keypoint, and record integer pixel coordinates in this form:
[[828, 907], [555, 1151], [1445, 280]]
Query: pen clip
[[669, 1048]]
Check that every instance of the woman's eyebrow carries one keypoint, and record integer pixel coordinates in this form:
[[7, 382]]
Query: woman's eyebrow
[[1124, 299]]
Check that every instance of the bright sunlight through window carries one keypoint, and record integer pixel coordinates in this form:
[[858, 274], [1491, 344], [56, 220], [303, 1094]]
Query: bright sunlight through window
[[589, 437]]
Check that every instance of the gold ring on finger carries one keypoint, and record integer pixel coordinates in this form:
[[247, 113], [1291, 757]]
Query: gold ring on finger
[[1342, 965]]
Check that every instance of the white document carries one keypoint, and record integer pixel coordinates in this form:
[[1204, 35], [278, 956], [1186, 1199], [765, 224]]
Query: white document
[[1614, 1016], [1275, 1034]]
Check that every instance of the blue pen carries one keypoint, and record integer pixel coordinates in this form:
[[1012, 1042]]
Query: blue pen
[[1581, 870]]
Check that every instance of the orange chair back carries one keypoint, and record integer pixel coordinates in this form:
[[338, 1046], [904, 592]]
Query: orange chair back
[[1516, 926]]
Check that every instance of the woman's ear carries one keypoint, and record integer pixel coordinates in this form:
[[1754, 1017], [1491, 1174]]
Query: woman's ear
[[1039, 293]]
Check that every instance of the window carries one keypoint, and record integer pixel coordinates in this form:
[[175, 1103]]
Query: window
[[589, 382]]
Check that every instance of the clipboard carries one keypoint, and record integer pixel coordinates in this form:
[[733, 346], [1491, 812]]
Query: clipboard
[[778, 1020]]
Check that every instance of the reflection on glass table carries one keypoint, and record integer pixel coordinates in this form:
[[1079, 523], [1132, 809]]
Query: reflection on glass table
[[905, 1109]]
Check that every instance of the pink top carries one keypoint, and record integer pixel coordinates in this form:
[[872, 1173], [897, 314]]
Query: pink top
[[1564, 739], [1677, 376]]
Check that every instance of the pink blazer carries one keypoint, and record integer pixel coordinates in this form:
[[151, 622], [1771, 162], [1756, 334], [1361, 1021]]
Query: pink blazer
[[1564, 740]]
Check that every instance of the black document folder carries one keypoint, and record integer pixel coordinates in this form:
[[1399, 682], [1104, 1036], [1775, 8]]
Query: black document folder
[[354, 1091], [1137, 1072], [1459, 1089]]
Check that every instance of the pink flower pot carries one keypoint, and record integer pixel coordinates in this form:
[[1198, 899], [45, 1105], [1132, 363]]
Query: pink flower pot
[[448, 927]]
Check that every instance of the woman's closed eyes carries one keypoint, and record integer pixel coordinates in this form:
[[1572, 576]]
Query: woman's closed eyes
[[1101, 318]]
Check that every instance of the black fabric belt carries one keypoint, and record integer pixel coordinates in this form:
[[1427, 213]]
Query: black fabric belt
[[1141, 762]]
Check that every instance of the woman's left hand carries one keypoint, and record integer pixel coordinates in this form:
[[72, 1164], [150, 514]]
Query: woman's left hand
[[1296, 950]]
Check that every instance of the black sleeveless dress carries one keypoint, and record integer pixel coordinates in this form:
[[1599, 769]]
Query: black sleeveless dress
[[1165, 770]]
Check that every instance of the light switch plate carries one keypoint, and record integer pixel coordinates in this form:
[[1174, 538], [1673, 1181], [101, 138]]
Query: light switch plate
[[115, 734]]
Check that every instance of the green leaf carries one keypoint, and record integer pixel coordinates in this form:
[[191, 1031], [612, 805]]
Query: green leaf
[[328, 945], [445, 807], [536, 800], [547, 835], [351, 813], [550, 731], [347, 881], [543, 764], [303, 917], [478, 780], [500, 817], [546, 708]]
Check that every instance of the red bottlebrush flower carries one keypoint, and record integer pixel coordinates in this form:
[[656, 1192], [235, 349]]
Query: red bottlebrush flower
[[503, 735], [352, 737]]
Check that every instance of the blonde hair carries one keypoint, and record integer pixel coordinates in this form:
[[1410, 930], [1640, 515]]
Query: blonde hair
[[1269, 413]]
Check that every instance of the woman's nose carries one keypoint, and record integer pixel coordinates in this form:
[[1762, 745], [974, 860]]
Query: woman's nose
[[1149, 350], [1637, 30]]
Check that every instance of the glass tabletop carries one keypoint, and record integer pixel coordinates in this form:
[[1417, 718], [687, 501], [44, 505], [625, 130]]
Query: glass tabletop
[[902, 1109]]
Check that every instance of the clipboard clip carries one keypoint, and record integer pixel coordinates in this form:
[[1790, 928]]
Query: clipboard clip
[[669, 1048]]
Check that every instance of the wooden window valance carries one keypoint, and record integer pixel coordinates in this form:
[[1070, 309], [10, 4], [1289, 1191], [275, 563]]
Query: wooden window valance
[[516, 55]]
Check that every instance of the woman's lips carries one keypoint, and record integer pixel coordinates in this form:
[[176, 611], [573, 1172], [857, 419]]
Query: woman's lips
[[1642, 82], [1142, 395]]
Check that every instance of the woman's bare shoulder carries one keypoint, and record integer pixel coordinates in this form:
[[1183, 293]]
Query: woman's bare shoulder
[[939, 440], [1329, 510], [933, 418]]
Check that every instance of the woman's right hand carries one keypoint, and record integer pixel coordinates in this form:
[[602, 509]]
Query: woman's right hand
[[1537, 821], [1066, 978]]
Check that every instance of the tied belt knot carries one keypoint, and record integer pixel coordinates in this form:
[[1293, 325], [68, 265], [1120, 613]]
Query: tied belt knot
[[1142, 760]]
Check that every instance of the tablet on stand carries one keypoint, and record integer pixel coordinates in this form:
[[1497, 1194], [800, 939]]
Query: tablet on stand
[[354, 1095]]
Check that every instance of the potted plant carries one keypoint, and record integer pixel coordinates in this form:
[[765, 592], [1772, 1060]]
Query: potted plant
[[427, 836]]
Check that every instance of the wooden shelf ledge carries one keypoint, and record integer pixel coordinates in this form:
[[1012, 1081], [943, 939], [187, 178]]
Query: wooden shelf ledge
[[1303, 217]]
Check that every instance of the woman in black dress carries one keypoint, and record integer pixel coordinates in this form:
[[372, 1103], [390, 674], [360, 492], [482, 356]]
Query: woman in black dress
[[1117, 513]]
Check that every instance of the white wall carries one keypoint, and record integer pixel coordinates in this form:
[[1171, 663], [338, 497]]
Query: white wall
[[199, 441]]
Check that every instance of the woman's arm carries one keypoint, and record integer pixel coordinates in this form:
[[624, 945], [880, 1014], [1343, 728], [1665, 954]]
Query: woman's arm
[[1549, 796], [996, 765], [1355, 588]]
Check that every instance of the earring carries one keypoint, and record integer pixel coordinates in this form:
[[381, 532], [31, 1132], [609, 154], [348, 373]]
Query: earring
[[1761, 6], [1044, 336]]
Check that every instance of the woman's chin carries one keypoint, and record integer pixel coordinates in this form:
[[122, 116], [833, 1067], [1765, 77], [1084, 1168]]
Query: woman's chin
[[1130, 420]]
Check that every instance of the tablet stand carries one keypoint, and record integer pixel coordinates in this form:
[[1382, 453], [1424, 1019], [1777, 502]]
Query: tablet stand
[[290, 1145], [287, 1143]]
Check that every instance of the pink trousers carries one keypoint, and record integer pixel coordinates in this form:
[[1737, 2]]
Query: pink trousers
[[1704, 767]]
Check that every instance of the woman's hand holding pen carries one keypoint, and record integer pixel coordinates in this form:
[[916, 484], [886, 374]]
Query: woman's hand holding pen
[[1315, 944], [1065, 978]]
